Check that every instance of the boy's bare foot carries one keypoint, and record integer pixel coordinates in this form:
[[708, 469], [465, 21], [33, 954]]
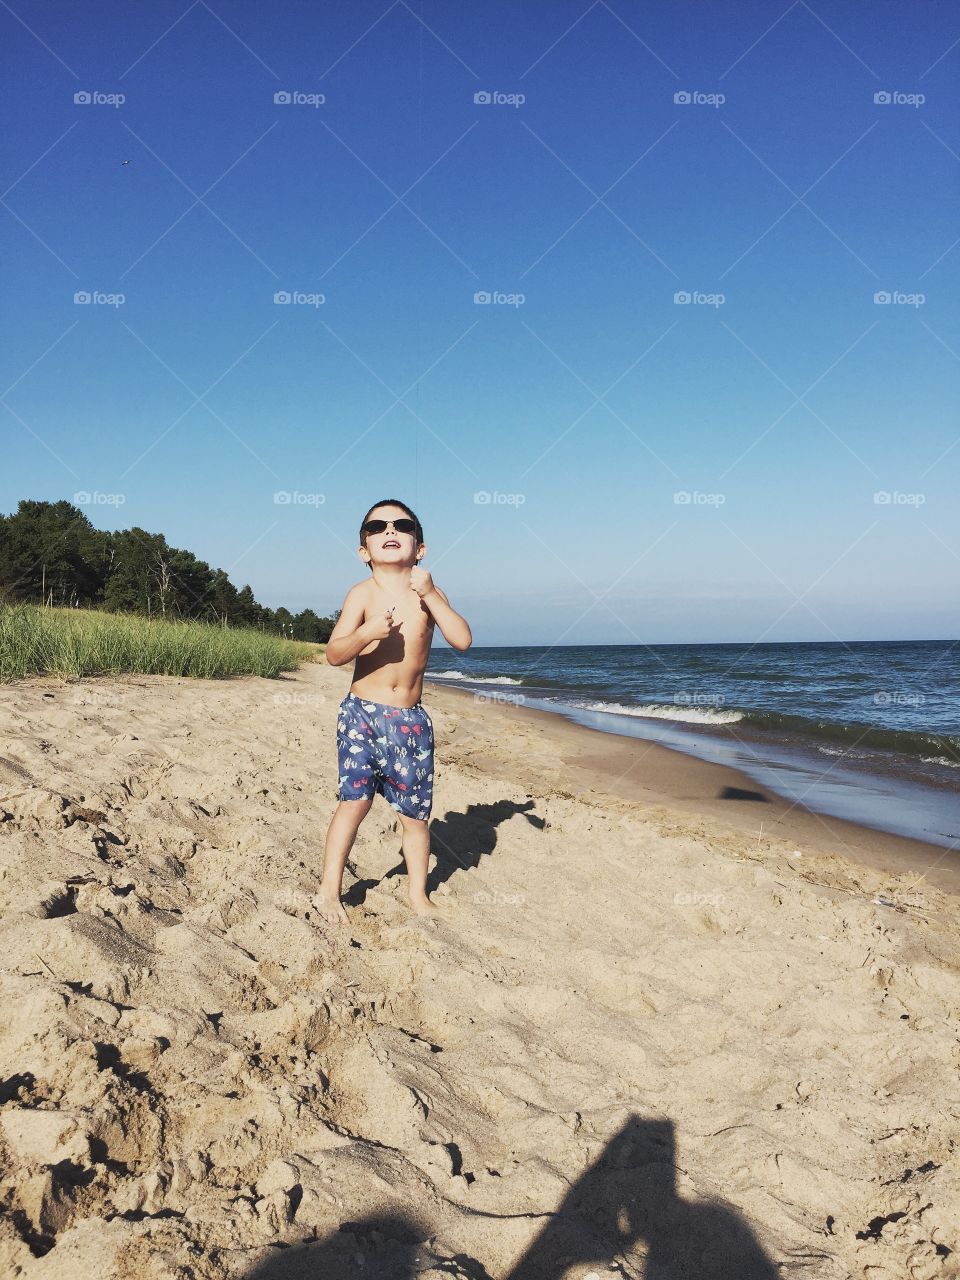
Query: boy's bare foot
[[330, 908], [424, 907]]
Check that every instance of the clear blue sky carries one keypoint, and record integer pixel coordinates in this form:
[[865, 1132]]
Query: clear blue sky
[[598, 399]]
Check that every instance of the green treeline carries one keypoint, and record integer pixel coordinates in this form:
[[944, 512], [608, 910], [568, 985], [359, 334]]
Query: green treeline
[[50, 553]]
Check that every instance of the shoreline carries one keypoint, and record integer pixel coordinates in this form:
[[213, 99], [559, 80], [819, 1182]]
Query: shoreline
[[603, 761]]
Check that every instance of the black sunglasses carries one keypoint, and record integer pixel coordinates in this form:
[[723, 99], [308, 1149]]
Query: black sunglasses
[[379, 526]]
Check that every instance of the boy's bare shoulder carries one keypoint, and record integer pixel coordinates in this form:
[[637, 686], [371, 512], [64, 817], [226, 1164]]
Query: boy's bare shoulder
[[361, 593], [356, 602]]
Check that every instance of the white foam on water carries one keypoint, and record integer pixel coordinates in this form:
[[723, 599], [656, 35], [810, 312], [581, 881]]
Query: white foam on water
[[460, 675], [847, 752], [951, 764], [658, 711]]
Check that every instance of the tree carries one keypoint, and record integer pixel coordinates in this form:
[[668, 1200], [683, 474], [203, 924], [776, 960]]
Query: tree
[[193, 585], [50, 552], [249, 613], [306, 626], [138, 578]]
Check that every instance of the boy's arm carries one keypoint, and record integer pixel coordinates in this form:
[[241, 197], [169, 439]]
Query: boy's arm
[[454, 628], [350, 635]]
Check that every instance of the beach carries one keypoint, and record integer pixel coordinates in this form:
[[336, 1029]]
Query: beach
[[669, 1025]]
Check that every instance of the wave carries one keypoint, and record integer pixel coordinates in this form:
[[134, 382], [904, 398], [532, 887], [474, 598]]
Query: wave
[[475, 679], [908, 742], [951, 764], [660, 711], [855, 741]]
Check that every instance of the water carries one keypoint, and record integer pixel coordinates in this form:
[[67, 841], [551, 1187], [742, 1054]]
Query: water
[[868, 730]]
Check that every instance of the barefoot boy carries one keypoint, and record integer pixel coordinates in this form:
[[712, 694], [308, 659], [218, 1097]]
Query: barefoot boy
[[384, 735]]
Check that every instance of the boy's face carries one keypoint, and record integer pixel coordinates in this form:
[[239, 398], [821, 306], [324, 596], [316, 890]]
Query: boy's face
[[390, 547]]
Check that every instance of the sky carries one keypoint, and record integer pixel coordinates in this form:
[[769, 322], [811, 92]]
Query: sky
[[650, 312]]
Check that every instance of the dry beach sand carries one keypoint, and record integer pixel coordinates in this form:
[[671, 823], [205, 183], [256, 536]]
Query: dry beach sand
[[646, 1040]]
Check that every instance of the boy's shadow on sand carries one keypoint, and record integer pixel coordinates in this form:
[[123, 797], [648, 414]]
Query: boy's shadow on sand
[[459, 841], [627, 1197]]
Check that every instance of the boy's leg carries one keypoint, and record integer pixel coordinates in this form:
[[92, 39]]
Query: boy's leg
[[416, 854], [340, 837]]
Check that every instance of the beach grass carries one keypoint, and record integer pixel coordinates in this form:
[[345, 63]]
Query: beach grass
[[84, 642]]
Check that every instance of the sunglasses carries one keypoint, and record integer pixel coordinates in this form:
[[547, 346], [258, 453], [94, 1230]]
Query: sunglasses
[[379, 526]]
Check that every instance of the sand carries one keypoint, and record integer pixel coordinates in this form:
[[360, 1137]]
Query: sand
[[646, 1039]]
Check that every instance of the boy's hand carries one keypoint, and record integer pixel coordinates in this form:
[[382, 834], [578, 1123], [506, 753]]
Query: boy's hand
[[421, 582], [381, 624]]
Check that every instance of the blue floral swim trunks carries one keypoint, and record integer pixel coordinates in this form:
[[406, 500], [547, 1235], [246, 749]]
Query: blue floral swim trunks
[[387, 750]]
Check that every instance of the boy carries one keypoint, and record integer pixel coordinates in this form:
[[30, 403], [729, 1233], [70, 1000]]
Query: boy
[[384, 734]]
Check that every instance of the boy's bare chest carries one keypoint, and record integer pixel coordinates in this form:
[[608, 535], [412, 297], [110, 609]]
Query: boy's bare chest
[[412, 615]]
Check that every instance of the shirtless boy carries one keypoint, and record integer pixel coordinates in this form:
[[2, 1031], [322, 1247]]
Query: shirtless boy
[[384, 734]]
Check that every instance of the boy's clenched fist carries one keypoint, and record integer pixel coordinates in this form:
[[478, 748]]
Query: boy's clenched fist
[[421, 582]]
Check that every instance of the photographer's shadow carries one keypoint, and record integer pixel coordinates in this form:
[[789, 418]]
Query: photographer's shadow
[[629, 1196], [625, 1206]]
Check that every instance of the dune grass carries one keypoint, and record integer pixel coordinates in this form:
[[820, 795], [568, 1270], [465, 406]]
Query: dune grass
[[84, 642]]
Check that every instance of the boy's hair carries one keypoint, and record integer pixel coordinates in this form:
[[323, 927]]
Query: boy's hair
[[393, 502]]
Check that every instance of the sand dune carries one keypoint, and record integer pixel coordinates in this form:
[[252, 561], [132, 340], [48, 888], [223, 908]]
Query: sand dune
[[640, 1043]]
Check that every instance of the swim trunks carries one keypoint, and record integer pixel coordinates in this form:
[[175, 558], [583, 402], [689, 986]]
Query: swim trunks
[[387, 750]]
